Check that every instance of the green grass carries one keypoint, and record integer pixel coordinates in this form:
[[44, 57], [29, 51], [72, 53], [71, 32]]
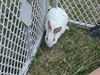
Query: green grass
[[76, 53]]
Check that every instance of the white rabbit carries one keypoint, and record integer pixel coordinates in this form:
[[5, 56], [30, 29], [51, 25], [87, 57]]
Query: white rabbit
[[56, 24]]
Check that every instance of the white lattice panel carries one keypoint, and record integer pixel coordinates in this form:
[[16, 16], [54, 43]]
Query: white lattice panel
[[18, 42], [82, 12]]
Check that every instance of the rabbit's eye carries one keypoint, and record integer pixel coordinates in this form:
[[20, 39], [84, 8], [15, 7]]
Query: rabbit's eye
[[46, 38], [54, 39]]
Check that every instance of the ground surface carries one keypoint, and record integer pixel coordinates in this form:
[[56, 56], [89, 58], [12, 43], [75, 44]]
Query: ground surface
[[76, 53]]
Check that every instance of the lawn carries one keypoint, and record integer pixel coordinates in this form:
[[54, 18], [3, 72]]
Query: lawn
[[76, 53]]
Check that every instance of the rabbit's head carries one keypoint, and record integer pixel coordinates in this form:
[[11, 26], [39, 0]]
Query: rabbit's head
[[52, 34]]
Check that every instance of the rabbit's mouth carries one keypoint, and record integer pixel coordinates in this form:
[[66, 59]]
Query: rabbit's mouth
[[49, 45]]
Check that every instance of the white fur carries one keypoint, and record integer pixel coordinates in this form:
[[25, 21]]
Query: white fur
[[57, 18]]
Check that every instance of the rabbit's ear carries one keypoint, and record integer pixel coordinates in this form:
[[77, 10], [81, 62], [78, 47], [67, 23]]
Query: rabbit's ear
[[57, 30], [49, 25]]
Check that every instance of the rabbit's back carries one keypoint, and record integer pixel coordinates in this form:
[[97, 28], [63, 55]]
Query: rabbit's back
[[57, 17]]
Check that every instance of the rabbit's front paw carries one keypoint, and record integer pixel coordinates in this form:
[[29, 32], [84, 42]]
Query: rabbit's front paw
[[67, 28]]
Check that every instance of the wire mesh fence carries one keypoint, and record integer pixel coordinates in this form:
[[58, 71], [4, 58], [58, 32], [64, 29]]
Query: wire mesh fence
[[82, 12], [18, 42]]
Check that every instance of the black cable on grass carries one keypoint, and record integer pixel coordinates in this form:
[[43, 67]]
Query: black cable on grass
[[95, 31]]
